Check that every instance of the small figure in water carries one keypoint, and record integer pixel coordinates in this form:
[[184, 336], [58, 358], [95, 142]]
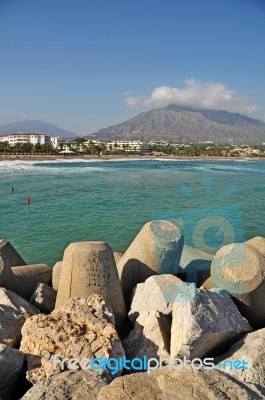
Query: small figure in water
[[28, 200], [12, 189]]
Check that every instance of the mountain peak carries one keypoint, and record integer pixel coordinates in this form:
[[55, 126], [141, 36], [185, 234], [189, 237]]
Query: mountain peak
[[169, 123]]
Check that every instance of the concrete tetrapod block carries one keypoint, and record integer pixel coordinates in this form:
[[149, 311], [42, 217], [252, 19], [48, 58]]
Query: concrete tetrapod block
[[56, 272], [239, 269], [259, 243], [89, 267], [195, 265], [155, 250], [28, 276], [9, 257]]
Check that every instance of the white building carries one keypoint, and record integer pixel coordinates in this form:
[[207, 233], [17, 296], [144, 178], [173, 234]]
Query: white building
[[129, 146], [24, 137], [55, 141]]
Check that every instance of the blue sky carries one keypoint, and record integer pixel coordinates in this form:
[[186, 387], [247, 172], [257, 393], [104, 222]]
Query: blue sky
[[87, 64]]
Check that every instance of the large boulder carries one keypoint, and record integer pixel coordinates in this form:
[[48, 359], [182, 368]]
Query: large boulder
[[74, 385], [89, 267], [165, 384], [28, 276], [157, 293], [195, 265], [44, 298], [251, 349], [13, 313], [150, 336], [56, 272], [239, 269], [82, 328], [11, 363], [204, 324], [155, 250], [9, 258]]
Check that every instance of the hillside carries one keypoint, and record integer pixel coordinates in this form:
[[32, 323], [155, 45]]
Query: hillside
[[35, 126], [174, 123]]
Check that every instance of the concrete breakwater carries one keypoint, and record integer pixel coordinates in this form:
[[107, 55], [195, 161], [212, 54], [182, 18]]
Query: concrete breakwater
[[144, 304]]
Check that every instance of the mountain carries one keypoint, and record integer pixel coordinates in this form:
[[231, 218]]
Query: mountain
[[36, 127], [174, 123]]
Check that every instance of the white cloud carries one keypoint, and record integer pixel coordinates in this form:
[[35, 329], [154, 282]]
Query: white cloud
[[196, 94]]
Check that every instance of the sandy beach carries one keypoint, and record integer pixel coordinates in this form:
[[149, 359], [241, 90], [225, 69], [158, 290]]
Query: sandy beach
[[42, 157]]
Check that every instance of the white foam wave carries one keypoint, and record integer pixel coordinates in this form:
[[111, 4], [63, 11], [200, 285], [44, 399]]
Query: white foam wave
[[17, 166]]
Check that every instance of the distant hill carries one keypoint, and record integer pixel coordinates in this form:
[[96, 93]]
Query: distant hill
[[174, 123], [35, 126]]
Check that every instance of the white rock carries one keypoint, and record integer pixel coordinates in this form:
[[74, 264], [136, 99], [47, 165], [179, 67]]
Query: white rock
[[150, 336], [204, 323], [13, 313]]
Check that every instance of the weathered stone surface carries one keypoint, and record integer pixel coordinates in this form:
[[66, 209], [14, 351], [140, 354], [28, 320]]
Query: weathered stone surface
[[165, 384], [74, 385], [252, 350], [11, 362], [195, 265], [150, 336], [56, 272], [28, 276], [81, 328], [9, 258], [259, 243], [239, 269], [155, 250], [117, 256], [204, 323], [157, 293], [13, 313], [89, 267], [44, 298]]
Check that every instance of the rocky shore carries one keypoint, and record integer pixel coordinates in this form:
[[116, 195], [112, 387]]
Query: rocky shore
[[163, 306]]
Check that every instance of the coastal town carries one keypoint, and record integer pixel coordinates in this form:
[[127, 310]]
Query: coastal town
[[29, 143]]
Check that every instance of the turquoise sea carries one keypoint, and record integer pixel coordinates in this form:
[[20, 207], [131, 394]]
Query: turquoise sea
[[78, 200]]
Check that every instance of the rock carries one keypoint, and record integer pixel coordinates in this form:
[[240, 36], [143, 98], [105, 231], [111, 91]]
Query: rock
[[252, 350], [89, 267], [203, 324], [28, 276], [11, 363], [155, 250], [259, 244], [56, 272], [81, 328], [150, 336], [117, 256], [75, 385], [44, 298], [10, 255], [239, 269], [8, 259], [13, 313], [157, 293], [195, 265], [165, 384]]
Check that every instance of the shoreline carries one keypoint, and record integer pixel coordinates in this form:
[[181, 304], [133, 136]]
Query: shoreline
[[42, 157]]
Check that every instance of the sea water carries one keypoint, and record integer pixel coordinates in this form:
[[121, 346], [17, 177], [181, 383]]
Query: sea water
[[87, 200]]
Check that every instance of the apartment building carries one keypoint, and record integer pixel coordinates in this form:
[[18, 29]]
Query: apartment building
[[129, 146], [24, 137]]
